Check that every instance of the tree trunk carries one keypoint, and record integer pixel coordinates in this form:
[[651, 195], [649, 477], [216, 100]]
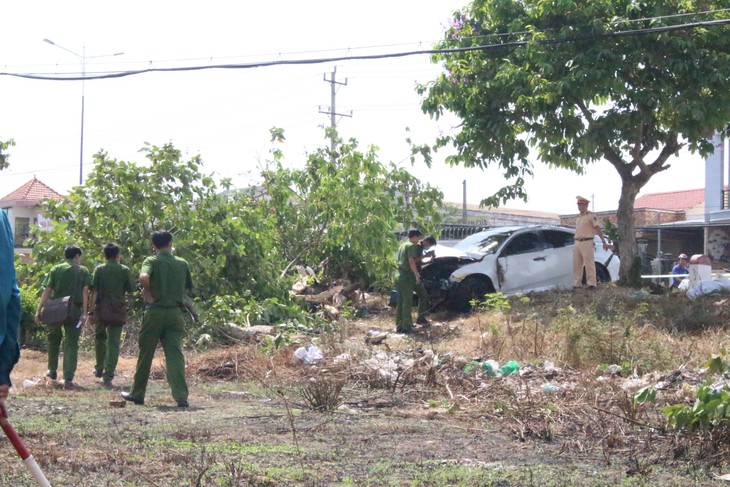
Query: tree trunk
[[630, 270]]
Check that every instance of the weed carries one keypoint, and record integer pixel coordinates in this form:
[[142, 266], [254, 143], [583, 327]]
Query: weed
[[323, 394]]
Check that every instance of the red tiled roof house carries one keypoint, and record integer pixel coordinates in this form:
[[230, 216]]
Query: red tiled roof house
[[23, 207]]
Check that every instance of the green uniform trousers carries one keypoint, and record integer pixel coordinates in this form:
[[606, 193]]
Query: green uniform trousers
[[107, 339], [70, 336], [166, 326], [406, 285]]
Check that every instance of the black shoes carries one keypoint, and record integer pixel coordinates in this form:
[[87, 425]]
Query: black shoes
[[422, 322], [52, 374], [98, 373], [182, 403], [107, 382], [128, 397]]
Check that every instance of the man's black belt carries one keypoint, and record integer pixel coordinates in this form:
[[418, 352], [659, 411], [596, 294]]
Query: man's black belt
[[584, 239]]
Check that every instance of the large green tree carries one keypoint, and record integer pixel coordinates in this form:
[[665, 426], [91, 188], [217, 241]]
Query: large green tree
[[570, 83]]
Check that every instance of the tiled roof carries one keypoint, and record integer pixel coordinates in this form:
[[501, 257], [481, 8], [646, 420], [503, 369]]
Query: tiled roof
[[672, 200], [33, 190]]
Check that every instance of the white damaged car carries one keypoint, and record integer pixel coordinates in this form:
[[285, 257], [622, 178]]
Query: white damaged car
[[509, 260]]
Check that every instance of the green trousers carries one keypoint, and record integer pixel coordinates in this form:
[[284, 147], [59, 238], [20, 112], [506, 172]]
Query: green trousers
[[406, 286], [69, 334], [107, 339], [167, 327]]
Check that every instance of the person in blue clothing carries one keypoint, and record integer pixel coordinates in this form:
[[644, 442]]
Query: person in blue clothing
[[680, 269], [9, 307]]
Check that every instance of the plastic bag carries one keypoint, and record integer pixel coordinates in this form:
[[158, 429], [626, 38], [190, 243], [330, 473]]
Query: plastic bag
[[490, 367], [704, 288], [510, 368], [310, 355]]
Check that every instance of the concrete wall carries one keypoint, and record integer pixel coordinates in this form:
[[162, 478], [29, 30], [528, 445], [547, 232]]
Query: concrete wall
[[642, 217]]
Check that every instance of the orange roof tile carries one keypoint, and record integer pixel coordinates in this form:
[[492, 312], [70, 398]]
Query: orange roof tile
[[33, 190], [671, 200]]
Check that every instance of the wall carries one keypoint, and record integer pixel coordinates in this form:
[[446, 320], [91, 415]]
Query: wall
[[642, 217]]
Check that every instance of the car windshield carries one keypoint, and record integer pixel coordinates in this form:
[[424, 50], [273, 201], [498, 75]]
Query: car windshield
[[482, 244]]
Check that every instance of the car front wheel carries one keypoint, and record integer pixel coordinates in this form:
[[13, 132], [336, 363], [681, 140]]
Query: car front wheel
[[470, 289]]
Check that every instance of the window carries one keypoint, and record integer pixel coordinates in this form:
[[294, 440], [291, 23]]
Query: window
[[22, 230], [524, 243], [482, 243], [557, 238]]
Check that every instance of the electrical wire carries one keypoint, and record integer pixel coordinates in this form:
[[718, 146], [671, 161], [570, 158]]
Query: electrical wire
[[289, 62]]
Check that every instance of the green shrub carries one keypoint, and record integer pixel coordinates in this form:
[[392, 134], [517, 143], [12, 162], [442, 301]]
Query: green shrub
[[711, 411], [30, 333]]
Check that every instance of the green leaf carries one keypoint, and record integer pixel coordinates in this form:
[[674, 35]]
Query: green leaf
[[646, 394], [715, 365]]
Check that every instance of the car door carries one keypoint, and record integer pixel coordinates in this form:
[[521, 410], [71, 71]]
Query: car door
[[559, 256], [522, 263]]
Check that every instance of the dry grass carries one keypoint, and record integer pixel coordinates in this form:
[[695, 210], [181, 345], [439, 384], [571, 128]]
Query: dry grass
[[409, 391]]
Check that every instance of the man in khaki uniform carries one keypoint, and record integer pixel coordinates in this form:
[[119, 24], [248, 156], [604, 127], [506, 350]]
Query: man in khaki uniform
[[586, 228]]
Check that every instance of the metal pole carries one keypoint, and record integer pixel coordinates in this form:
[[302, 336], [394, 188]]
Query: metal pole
[[463, 207], [20, 447], [82, 58], [83, 103]]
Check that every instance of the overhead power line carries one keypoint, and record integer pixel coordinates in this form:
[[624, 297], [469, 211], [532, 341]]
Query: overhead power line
[[294, 62]]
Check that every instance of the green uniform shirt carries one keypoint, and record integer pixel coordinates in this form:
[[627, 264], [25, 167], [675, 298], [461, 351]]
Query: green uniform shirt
[[112, 280], [407, 250], [68, 280], [169, 278]]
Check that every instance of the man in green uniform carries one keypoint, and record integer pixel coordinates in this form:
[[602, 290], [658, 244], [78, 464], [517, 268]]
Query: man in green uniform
[[164, 279], [67, 279], [409, 280], [110, 284], [426, 245]]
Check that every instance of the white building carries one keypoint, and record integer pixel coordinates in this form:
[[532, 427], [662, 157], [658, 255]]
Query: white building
[[23, 207]]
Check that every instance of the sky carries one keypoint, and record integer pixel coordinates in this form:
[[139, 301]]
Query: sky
[[225, 114]]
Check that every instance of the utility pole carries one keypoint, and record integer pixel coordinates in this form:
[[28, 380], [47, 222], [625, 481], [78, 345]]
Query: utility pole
[[463, 216], [82, 58], [332, 111]]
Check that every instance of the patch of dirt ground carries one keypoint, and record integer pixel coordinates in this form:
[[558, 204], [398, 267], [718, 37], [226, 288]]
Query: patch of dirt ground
[[407, 411]]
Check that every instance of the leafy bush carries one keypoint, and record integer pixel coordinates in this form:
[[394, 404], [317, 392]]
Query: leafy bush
[[30, 332], [339, 212], [225, 236], [711, 410]]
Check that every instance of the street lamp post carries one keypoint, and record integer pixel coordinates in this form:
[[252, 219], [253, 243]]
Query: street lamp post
[[81, 57]]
